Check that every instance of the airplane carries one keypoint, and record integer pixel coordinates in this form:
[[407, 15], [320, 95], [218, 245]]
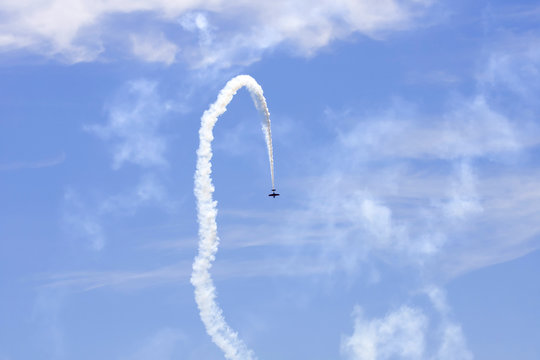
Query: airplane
[[273, 194]]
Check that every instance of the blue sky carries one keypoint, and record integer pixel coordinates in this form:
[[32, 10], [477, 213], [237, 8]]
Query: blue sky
[[406, 140]]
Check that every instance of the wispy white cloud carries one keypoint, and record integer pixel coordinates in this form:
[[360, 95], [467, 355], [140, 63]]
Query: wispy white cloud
[[399, 334], [506, 229], [453, 344], [38, 164], [513, 64], [81, 222], [154, 48], [516, 11], [163, 345], [448, 188], [133, 132], [287, 266], [435, 216], [83, 216], [149, 191], [87, 32], [429, 203], [403, 333], [133, 126], [198, 23], [464, 200], [433, 77], [453, 218], [119, 279], [361, 220], [46, 318], [470, 129]]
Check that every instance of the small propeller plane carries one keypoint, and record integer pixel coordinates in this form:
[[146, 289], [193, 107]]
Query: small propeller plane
[[273, 194]]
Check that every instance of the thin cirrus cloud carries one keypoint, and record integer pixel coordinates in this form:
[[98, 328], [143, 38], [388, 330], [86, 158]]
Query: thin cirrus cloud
[[179, 273], [81, 30], [36, 164], [472, 129]]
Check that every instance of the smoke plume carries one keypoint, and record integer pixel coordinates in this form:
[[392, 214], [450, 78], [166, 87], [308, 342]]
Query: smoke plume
[[205, 292]]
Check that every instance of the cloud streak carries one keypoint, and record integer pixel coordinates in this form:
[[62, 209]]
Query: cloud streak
[[87, 280], [40, 164]]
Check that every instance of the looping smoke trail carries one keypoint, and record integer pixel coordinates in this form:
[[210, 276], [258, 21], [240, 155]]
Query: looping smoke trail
[[205, 292]]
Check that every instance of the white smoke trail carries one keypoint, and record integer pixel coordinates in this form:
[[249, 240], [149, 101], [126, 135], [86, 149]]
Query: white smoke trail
[[205, 292]]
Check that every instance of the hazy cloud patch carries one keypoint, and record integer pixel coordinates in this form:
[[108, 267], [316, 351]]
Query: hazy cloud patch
[[404, 333], [471, 129], [163, 345], [82, 222], [399, 334], [464, 201], [133, 126], [154, 48]]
